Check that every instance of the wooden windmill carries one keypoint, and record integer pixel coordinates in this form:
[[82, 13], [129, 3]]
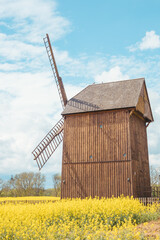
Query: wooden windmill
[[105, 150]]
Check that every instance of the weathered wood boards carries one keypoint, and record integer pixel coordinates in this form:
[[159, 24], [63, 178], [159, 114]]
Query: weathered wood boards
[[103, 155], [139, 156]]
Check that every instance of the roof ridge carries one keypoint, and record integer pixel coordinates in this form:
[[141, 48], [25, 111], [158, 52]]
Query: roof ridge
[[95, 84], [134, 79]]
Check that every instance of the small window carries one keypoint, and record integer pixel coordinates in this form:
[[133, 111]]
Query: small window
[[100, 126], [124, 155], [90, 156]]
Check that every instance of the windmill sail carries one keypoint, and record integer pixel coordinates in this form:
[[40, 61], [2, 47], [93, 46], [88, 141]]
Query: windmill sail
[[51, 141], [48, 145], [58, 79]]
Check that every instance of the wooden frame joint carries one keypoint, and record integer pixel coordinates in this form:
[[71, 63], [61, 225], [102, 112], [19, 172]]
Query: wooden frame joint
[[147, 124], [131, 112]]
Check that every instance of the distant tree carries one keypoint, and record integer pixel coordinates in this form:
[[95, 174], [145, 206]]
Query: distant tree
[[1, 183], [25, 184], [38, 183], [155, 176], [6, 190], [57, 184], [49, 192]]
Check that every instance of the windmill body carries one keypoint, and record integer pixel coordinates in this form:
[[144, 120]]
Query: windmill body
[[104, 135], [105, 150]]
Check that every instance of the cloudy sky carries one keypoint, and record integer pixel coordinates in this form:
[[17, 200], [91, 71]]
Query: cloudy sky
[[93, 41]]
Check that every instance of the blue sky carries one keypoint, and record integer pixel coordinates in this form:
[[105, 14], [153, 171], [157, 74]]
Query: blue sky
[[93, 41]]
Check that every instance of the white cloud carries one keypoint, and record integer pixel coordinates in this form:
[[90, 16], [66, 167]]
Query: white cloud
[[30, 107], [10, 66], [154, 128], [26, 23], [16, 50], [154, 159], [150, 41], [32, 19], [114, 74]]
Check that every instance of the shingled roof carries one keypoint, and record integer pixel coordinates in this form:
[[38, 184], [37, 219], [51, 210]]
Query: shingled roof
[[107, 96]]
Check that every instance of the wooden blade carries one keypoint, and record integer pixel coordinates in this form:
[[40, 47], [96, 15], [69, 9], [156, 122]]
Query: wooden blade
[[58, 79], [49, 144]]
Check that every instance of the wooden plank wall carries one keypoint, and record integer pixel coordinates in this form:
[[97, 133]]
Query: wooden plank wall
[[139, 155], [96, 155]]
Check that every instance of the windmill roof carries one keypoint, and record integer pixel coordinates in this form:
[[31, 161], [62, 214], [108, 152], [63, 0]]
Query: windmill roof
[[106, 96]]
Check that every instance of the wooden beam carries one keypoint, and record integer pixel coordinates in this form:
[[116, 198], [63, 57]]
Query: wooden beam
[[138, 115], [91, 162]]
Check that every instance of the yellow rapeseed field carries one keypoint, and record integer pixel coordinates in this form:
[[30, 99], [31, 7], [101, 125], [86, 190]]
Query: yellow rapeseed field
[[28, 199], [51, 218]]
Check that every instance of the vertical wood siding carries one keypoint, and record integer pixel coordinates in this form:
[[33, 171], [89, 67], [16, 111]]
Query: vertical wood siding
[[96, 155], [139, 155]]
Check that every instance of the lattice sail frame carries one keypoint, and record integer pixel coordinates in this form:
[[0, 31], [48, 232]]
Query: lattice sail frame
[[52, 140], [57, 78], [49, 144]]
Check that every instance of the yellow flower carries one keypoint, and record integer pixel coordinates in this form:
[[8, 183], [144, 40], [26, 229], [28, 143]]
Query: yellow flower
[[50, 218]]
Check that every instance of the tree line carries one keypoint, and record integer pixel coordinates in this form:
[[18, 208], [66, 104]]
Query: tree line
[[33, 184], [29, 184]]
